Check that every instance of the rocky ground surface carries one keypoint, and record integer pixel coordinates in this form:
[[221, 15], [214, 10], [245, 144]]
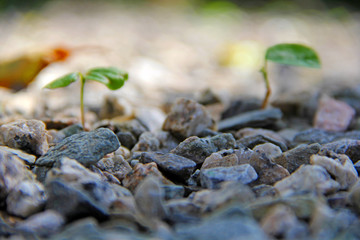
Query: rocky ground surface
[[164, 158], [201, 170]]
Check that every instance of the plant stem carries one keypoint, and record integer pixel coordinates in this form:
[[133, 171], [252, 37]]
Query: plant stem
[[267, 84], [82, 102]]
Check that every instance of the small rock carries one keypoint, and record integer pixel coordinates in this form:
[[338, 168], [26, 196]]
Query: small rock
[[187, 118], [223, 158], [28, 135], [240, 106], [183, 211], [270, 150], [140, 171], [114, 106], [171, 164], [87, 148], [12, 172], [268, 171], [27, 198], [198, 149], [115, 165], [229, 223], [148, 142], [126, 139], [71, 202], [307, 178], [281, 220], [253, 141], [264, 190], [333, 115], [275, 137], [27, 158], [173, 191], [229, 192], [341, 168], [327, 223], [149, 198], [212, 177], [152, 118], [42, 224], [354, 196], [257, 118], [346, 146], [294, 158]]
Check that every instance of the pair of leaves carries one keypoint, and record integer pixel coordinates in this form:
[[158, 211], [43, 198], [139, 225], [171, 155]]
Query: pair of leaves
[[111, 77], [293, 54]]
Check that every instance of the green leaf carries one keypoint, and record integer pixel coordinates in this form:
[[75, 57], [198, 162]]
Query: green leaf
[[111, 77], [64, 81], [293, 54]]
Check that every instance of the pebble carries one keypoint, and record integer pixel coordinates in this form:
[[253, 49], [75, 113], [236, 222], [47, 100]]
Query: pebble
[[139, 172], [256, 118], [174, 166], [270, 150], [339, 166], [198, 149], [280, 220], [173, 191], [149, 198], [242, 105], [71, 202], [333, 115], [269, 134], [86, 147], [27, 135], [294, 158], [354, 196], [159, 141], [264, 190], [229, 223], [223, 158], [187, 118], [116, 165], [43, 224], [320, 136], [230, 192], [152, 118], [28, 159], [349, 147], [12, 172], [25, 199], [183, 211], [308, 178], [212, 177]]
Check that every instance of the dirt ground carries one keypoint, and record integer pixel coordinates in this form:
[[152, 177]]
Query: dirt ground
[[170, 50]]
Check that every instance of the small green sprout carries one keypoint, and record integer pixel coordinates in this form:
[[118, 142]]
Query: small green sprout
[[111, 77], [288, 54]]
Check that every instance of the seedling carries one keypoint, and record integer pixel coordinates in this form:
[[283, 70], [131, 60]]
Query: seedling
[[111, 77], [288, 54]]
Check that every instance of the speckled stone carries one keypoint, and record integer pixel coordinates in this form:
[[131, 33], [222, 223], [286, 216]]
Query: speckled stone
[[86, 147]]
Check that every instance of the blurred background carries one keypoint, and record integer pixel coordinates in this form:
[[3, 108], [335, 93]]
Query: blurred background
[[177, 47]]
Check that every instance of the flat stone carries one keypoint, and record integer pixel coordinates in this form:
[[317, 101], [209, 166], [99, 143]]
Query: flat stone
[[212, 177], [198, 149], [171, 164], [294, 158], [333, 115], [43, 224], [29, 159], [339, 166], [187, 118], [349, 147], [27, 135], [257, 118], [27, 198], [308, 178], [86, 147], [139, 172]]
